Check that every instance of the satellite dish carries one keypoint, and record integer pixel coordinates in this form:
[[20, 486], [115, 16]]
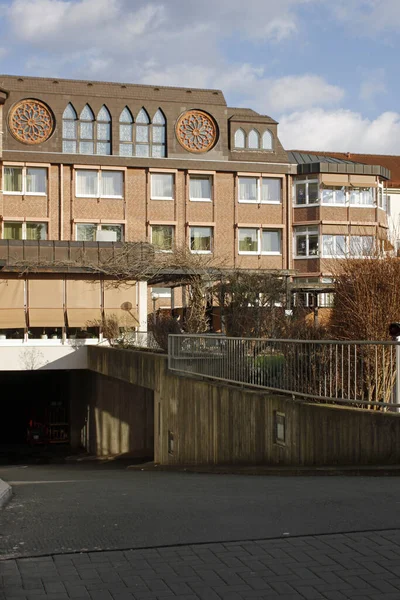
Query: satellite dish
[[127, 306]]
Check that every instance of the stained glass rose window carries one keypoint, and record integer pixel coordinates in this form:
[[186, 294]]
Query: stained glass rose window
[[31, 122], [196, 131]]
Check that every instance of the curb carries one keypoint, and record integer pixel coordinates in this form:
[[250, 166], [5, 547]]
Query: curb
[[5, 493]]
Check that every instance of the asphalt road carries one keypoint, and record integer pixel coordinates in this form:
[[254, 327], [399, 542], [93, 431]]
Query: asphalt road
[[65, 508]]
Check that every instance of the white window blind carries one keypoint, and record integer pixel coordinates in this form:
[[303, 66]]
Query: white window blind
[[87, 183], [111, 184], [162, 186], [248, 189], [200, 187]]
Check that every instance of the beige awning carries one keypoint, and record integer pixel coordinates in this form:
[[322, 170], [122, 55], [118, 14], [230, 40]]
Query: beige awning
[[120, 302], [46, 303], [12, 304], [359, 183], [334, 179], [83, 301]]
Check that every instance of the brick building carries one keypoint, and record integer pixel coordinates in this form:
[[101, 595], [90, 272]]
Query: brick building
[[90, 162]]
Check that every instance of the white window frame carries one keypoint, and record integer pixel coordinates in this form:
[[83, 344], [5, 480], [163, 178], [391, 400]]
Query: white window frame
[[173, 236], [24, 224], [332, 188], [306, 182], [307, 231], [259, 251], [259, 199], [211, 228], [99, 227], [24, 185], [335, 243], [99, 175], [200, 176], [162, 197], [373, 246], [356, 205], [162, 294]]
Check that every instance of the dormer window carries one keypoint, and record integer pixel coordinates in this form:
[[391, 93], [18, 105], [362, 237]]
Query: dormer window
[[254, 140], [240, 139], [267, 140]]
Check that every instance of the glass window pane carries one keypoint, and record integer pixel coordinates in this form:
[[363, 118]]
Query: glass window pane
[[111, 183], [301, 245], [36, 231], [69, 130], [240, 139], [328, 196], [327, 245], [126, 116], [115, 229], [86, 131], [162, 236], [86, 148], [126, 149], [200, 239], [254, 140], [36, 180], [103, 131], [87, 114], [142, 150], [200, 188], [271, 190], [158, 151], [103, 148], [162, 185], [142, 133], [271, 241], [248, 189], [69, 147], [248, 240], [12, 231], [313, 244], [158, 135], [267, 140], [69, 112], [13, 179], [87, 183], [125, 133], [142, 117], [301, 193], [104, 115], [313, 193], [159, 118], [86, 232]]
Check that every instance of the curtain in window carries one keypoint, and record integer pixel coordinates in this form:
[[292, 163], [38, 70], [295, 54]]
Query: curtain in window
[[12, 231], [248, 240], [200, 188], [162, 185], [200, 239], [87, 183], [12, 179], [36, 180], [111, 183], [271, 190], [248, 188], [240, 139], [271, 241], [86, 232], [115, 229], [162, 236], [36, 231]]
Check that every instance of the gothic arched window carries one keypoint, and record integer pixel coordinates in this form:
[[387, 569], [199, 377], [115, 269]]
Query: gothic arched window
[[86, 131], [240, 139], [254, 140], [158, 139], [267, 140], [70, 130], [103, 131], [143, 133], [126, 147]]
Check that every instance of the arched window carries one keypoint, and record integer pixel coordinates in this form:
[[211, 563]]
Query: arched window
[[254, 140], [267, 140], [70, 130], [86, 131], [240, 139], [142, 133], [126, 133], [103, 145], [158, 135]]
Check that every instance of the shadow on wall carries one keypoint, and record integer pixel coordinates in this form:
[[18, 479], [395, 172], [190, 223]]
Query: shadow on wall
[[110, 417]]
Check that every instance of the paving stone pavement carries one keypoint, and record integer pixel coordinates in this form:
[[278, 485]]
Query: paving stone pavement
[[363, 566]]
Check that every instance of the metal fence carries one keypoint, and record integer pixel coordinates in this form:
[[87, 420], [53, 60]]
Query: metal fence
[[357, 373]]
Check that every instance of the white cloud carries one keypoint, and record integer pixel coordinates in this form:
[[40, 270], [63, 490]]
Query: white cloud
[[341, 131], [374, 85], [366, 17]]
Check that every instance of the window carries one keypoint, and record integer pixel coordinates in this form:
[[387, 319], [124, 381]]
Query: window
[[267, 140], [334, 246], [260, 189], [334, 195], [240, 139], [201, 240], [103, 145], [383, 198], [25, 180], [86, 131], [200, 188], [70, 130], [162, 236], [161, 292], [126, 147], [95, 184], [24, 231], [254, 140], [162, 186], [91, 232], [158, 135], [259, 241], [362, 196], [361, 245], [306, 242], [143, 134], [306, 192]]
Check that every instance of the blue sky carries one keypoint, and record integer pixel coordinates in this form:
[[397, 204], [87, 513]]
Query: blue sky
[[327, 70]]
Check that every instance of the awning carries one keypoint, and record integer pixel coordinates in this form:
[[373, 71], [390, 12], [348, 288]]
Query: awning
[[12, 304], [120, 302], [334, 179], [83, 302], [363, 181], [46, 303]]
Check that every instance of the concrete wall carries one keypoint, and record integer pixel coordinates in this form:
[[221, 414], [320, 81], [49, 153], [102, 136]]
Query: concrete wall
[[44, 356], [202, 422]]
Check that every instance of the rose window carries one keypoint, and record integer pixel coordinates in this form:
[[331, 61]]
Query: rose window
[[196, 131], [31, 122]]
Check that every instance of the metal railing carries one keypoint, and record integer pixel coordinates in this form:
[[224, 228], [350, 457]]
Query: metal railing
[[357, 373]]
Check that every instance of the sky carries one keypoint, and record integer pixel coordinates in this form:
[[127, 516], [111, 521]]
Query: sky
[[327, 70]]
